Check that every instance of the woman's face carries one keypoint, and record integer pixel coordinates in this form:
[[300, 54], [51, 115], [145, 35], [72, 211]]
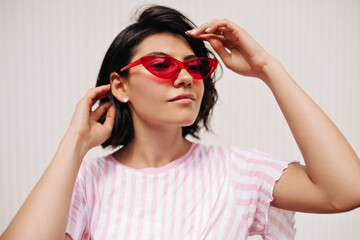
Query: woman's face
[[153, 100]]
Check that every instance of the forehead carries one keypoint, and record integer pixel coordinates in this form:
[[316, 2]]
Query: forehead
[[173, 45]]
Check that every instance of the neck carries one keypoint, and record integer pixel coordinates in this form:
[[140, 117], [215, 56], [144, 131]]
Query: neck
[[153, 146]]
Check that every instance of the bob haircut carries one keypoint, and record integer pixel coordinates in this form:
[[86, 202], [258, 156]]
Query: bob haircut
[[155, 19]]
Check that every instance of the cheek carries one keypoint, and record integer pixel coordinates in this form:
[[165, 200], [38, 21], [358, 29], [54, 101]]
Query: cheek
[[146, 95], [143, 86], [200, 89]]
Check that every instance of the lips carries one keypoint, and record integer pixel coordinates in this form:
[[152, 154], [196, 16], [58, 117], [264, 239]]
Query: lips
[[183, 97]]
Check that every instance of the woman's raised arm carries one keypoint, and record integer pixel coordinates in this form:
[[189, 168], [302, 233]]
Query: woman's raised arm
[[44, 213], [330, 180]]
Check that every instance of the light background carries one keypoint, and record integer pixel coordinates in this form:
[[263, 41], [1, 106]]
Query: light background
[[51, 51]]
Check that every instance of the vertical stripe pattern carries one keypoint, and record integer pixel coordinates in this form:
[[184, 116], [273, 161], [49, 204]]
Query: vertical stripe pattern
[[209, 193]]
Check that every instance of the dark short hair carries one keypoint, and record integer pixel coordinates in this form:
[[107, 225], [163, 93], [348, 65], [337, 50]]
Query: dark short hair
[[154, 19]]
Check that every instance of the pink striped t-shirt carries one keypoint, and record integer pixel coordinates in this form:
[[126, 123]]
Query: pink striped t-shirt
[[209, 193]]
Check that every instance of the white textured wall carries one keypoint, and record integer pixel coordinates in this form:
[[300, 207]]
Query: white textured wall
[[50, 52]]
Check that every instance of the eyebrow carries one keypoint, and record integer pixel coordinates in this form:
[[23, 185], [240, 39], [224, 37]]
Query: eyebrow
[[165, 54]]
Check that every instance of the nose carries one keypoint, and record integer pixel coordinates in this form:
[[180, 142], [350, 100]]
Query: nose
[[184, 79]]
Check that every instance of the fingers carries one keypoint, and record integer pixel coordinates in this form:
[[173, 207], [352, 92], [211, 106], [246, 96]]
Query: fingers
[[230, 34], [110, 119], [96, 94], [223, 35], [216, 27], [220, 49], [83, 107], [98, 112], [234, 45], [107, 108]]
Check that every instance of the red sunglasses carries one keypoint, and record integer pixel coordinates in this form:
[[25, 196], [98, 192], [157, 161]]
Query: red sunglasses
[[169, 68]]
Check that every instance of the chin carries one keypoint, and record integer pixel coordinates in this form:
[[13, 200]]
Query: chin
[[187, 123], [186, 119]]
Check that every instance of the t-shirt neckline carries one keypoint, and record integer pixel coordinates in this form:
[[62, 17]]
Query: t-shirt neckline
[[155, 170]]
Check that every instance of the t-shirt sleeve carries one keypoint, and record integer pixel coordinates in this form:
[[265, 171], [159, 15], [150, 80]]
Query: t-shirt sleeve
[[254, 175], [77, 221]]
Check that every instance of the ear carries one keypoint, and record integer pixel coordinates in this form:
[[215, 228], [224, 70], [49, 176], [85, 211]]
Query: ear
[[119, 87]]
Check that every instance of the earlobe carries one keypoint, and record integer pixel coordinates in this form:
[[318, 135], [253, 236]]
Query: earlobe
[[118, 87]]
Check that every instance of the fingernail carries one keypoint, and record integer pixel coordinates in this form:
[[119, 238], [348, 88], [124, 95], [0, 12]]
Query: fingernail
[[207, 30], [192, 31]]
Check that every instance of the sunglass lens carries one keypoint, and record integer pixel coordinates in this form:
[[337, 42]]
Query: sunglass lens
[[162, 67], [200, 68]]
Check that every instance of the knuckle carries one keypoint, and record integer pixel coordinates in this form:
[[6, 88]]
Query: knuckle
[[80, 102], [89, 91]]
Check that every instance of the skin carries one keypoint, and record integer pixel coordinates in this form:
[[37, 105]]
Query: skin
[[328, 183], [157, 121], [45, 211]]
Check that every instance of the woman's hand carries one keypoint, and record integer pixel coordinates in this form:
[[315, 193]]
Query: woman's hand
[[84, 124], [44, 214], [330, 180], [237, 49]]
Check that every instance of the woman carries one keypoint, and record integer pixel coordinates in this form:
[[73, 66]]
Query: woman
[[156, 87]]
